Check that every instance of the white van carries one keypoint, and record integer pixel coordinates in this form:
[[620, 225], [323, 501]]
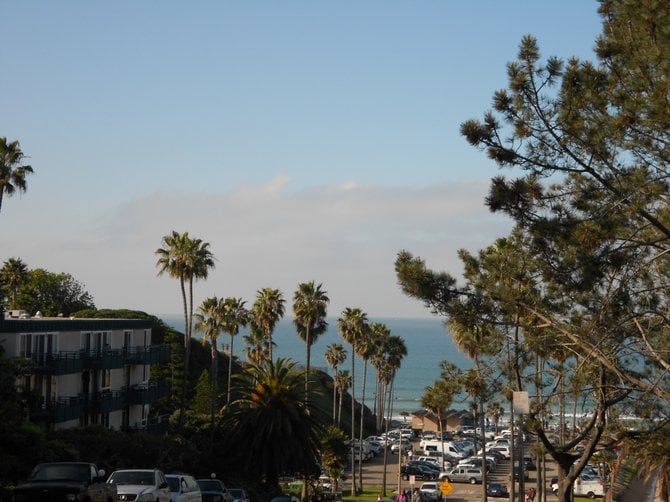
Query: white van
[[590, 487], [446, 447]]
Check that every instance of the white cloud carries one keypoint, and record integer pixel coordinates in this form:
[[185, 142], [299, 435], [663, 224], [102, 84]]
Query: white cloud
[[345, 237]]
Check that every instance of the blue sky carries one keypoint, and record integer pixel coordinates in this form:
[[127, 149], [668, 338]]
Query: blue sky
[[303, 140]]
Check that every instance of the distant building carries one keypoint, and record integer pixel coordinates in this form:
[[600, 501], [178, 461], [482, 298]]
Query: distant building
[[87, 371], [424, 420]]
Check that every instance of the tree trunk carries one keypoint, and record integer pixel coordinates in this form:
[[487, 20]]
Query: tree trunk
[[353, 421], [187, 347], [335, 396], [230, 369], [360, 432]]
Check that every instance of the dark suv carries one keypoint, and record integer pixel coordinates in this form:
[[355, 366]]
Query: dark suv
[[419, 470]]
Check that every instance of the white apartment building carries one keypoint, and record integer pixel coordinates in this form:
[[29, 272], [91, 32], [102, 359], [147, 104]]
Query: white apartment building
[[87, 371]]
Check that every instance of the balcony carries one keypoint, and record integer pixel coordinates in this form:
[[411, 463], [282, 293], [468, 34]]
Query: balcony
[[64, 363], [154, 354], [146, 393], [59, 410], [108, 401], [103, 359], [60, 363]]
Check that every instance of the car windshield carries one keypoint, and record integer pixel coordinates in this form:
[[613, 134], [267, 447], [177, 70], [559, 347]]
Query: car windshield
[[132, 478], [61, 471], [210, 486]]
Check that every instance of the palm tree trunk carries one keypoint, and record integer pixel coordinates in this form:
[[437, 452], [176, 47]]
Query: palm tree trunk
[[215, 370], [360, 432], [388, 421], [339, 411], [308, 356], [187, 345], [353, 421], [230, 369], [335, 396]]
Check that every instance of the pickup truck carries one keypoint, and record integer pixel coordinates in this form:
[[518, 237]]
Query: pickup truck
[[66, 482]]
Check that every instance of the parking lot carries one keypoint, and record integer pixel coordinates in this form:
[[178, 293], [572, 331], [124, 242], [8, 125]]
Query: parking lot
[[462, 492]]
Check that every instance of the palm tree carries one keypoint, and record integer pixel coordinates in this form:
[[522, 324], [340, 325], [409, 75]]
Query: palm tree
[[12, 172], [187, 260], [209, 319], [335, 356], [352, 325], [270, 427], [13, 274], [366, 348], [267, 310], [256, 344], [309, 307], [395, 350], [343, 384], [234, 316]]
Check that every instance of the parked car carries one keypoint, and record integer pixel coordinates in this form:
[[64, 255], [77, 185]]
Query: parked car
[[183, 488], [589, 486], [496, 490], [375, 446], [65, 481], [431, 460], [430, 491], [237, 494], [402, 445], [141, 485], [529, 463], [420, 471], [477, 462], [515, 472], [214, 490], [463, 475], [503, 451]]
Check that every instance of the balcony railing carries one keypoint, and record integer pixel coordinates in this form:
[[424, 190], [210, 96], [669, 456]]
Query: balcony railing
[[63, 409], [60, 363], [154, 354], [103, 359], [146, 393], [64, 362]]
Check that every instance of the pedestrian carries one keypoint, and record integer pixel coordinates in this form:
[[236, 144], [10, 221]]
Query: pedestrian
[[401, 497], [417, 496]]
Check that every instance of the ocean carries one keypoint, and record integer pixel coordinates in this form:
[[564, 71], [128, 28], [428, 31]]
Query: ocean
[[427, 341]]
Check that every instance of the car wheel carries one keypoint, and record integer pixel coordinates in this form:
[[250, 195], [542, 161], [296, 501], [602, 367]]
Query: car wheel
[[591, 495], [473, 481]]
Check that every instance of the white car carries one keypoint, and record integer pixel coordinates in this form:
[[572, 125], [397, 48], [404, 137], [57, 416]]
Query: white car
[[140, 485], [183, 488], [403, 445], [430, 491], [375, 446]]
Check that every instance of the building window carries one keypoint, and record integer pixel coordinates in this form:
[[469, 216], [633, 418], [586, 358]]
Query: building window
[[41, 344], [93, 343], [105, 378]]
